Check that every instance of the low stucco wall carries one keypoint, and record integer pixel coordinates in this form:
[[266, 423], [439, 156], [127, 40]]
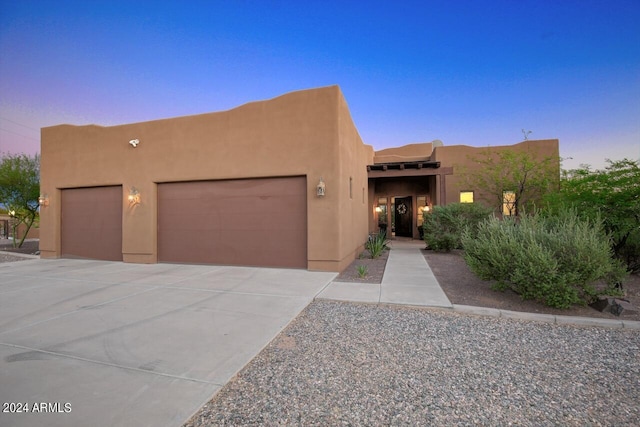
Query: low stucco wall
[[7, 221], [307, 133]]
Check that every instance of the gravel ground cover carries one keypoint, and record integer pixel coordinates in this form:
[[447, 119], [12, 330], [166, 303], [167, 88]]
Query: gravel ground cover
[[29, 247], [6, 257], [355, 364]]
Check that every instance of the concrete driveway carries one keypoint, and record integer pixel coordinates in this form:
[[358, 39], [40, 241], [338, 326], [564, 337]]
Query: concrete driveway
[[113, 344]]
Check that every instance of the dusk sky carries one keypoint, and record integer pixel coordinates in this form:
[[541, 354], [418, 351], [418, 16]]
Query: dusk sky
[[464, 72]]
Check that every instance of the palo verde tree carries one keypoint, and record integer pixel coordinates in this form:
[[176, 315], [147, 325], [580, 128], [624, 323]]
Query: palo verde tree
[[521, 176], [613, 194], [20, 189]]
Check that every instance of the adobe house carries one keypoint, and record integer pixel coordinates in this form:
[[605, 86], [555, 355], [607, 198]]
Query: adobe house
[[285, 182]]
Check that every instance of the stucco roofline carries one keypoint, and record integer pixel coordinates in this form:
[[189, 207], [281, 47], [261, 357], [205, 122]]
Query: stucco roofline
[[189, 116], [529, 142]]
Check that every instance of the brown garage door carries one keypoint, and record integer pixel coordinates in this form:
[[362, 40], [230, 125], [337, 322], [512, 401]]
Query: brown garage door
[[253, 222], [91, 223]]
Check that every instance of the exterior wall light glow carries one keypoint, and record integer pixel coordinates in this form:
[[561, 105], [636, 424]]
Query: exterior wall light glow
[[43, 200], [320, 189], [134, 142], [378, 209], [134, 196]]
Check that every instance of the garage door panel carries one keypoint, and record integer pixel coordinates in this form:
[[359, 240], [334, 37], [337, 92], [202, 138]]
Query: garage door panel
[[235, 222], [91, 223]]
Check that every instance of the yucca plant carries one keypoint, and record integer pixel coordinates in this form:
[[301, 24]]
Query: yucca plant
[[362, 270], [376, 244]]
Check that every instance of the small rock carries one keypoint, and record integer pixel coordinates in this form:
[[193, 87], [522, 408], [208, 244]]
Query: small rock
[[626, 306], [614, 306]]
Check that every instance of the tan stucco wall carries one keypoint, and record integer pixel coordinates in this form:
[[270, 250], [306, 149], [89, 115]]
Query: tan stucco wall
[[307, 133], [460, 157], [353, 194]]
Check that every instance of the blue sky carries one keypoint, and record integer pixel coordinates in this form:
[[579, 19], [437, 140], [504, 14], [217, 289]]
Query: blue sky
[[464, 72]]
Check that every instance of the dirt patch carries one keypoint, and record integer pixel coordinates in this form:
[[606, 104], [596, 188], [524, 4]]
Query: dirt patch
[[464, 288], [30, 247], [374, 267]]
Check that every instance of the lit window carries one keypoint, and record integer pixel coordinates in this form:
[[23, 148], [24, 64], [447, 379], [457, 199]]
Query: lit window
[[508, 203], [466, 197], [421, 202]]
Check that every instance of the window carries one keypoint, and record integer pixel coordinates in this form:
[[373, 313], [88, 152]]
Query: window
[[381, 211], [466, 197], [421, 202], [508, 203]]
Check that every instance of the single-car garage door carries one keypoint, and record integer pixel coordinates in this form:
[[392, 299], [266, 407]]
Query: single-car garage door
[[253, 222], [91, 223]]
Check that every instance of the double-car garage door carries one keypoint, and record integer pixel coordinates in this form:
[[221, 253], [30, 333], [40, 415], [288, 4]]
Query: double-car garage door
[[258, 222], [253, 222]]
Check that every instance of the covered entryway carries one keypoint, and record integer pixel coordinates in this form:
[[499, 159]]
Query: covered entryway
[[91, 223], [401, 192], [251, 222]]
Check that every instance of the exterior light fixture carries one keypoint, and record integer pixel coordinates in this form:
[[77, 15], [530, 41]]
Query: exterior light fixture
[[43, 200], [134, 196], [427, 208], [378, 209], [134, 142], [320, 189]]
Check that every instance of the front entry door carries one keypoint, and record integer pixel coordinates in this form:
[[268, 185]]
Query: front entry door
[[404, 217]]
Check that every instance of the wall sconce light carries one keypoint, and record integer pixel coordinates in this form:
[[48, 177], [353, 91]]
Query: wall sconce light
[[378, 209], [427, 208], [134, 196], [320, 189], [134, 142], [43, 200]]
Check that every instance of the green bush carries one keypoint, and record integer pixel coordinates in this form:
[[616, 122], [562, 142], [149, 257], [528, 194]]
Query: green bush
[[444, 226], [376, 244], [612, 194], [556, 260]]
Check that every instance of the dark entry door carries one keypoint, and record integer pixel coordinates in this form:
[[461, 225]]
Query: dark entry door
[[404, 217]]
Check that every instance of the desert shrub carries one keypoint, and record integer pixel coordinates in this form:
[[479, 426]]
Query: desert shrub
[[376, 244], [444, 226], [556, 260]]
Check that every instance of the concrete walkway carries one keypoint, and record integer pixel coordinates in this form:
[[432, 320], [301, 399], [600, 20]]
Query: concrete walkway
[[407, 280]]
